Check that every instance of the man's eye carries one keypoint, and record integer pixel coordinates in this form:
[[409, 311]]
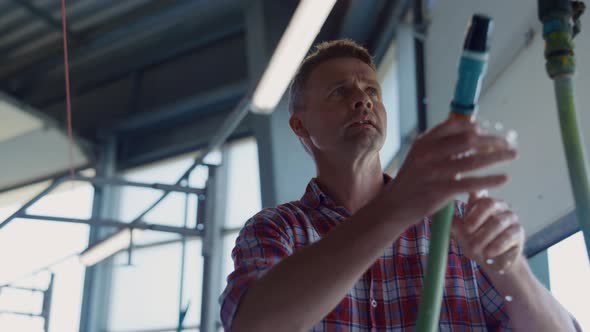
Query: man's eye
[[372, 91], [339, 91]]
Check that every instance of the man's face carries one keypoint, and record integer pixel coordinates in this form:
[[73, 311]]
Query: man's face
[[343, 112]]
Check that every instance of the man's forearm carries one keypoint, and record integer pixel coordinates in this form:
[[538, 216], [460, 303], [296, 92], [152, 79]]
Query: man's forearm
[[532, 307], [300, 290]]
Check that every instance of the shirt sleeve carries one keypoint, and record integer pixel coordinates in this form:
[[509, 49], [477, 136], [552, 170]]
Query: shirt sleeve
[[492, 303], [261, 244]]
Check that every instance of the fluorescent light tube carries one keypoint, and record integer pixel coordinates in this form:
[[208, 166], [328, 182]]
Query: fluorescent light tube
[[109, 246], [306, 23]]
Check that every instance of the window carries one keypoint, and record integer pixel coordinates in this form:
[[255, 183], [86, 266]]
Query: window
[[26, 246], [569, 273], [243, 194], [146, 294], [389, 85]]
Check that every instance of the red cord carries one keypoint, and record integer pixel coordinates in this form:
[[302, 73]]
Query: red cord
[[68, 97]]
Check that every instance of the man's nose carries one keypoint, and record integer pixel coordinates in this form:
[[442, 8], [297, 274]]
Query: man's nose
[[362, 100]]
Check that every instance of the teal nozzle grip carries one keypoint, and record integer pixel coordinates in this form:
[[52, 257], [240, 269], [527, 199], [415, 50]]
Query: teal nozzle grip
[[473, 65]]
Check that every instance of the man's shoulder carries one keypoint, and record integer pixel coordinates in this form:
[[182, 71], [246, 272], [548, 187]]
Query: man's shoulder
[[287, 221], [283, 213]]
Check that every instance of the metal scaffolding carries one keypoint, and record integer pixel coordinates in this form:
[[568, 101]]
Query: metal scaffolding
[[46, 294], [209, 225]]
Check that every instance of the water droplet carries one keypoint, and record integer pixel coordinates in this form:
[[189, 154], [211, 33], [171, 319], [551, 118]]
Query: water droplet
[[512, 138]]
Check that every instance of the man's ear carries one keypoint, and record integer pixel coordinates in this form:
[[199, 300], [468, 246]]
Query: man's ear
[[298, 127]]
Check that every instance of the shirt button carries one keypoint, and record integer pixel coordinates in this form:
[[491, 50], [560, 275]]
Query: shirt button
[[374, 303]]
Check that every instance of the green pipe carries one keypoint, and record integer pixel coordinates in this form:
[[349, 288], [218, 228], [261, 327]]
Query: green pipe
[[429, 310], [574, 152], [472, 69], [557, 17]]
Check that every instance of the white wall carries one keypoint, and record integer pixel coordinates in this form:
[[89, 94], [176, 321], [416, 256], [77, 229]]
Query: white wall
[[285, 167], [32, 146], [36, 154], [517, 93]]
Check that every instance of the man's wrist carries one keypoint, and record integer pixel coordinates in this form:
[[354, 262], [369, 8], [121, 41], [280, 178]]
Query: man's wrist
[[517, 281], [518, 269]]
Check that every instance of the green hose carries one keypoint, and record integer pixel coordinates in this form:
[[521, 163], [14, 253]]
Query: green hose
[[472, 69], [560, 21], [574, 152], [430, 303]]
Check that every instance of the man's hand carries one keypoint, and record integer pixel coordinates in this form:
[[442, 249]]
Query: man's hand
[[490, 233], [432, 173]]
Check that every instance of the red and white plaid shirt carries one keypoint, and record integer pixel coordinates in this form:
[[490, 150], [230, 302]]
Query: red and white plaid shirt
[[386, 298]]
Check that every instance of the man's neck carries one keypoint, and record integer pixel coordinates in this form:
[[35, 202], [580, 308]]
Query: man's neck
[[351, 185]]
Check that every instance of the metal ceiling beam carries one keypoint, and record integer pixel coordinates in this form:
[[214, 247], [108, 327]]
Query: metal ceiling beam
[[257, 52], [92, 19], [359, 27], [385, 29], [183, 47], [195, 136], [148, 59], [199, 104], [45, 16], [123, 37]]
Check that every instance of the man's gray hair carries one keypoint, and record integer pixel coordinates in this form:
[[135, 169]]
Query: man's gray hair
[[341, 48]]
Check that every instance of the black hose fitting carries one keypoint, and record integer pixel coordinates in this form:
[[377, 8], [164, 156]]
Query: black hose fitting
[[551, 8]]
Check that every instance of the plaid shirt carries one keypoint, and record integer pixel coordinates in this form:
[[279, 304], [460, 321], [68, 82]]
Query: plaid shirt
[[386, 298]]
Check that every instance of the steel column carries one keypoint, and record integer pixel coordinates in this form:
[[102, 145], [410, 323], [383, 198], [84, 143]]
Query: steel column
[[97, 279], [46, 309], [213, 246]]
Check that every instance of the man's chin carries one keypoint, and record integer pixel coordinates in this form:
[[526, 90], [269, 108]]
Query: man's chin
[[367, 138], [366, 143]]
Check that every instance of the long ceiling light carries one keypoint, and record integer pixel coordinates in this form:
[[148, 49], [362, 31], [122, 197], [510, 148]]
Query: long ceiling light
[[109, 246], [305, 25]]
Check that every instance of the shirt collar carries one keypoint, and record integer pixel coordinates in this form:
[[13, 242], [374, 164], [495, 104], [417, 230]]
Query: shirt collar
[[314, 197]]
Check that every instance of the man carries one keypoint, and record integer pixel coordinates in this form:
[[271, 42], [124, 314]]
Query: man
[[350, 255]]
